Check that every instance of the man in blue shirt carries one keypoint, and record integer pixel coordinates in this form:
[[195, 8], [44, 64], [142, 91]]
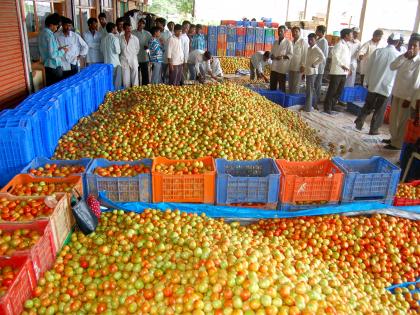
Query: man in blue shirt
[[198, 40], [49, 50], [156, 55]]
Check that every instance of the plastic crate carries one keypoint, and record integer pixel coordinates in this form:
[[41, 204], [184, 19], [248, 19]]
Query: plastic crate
[[26, 178], [277, 97], [370, 179], [387, 114], [41, 161], [294, 99], [287, 207], [199, 188], [405, 201], [12, 302], [309, 182], [135, 188], [406, 151], [247, 181], [355, 108], [412, 132], [354, 94], [42, 254]]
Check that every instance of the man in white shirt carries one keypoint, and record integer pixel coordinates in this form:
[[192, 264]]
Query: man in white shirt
[[195, 64], [93, 39], [257, 65], [340, 68], [175, 57], [367, 50], [212, 67], [354, 45], [405, 93], [77, 48], [110, 47], [130, 48], [297, 63], [102, 22], [144, 38], [379, 80], [120, 26], [185, 40], [322, 43], [314, 57], [164, 37], [281, 53]]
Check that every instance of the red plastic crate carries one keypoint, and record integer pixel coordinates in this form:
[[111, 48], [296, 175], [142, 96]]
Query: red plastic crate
[[12, 302], [306, 182], [405, 201], [43, 252], [387, 114], [199, 188], [412, 132]]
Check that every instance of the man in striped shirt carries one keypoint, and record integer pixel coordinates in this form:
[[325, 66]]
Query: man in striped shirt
[[156, 55], [198, 41]]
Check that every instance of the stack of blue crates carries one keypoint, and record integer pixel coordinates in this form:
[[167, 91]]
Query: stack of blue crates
[[212, 40], [34, 127], [231, 41]]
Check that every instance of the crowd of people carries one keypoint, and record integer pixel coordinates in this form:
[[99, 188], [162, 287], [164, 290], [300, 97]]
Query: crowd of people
[[391, 73], [166, 53]]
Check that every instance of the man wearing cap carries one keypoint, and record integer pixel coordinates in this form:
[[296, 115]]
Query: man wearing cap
[[354, 50], [367, 50], [379, 80]]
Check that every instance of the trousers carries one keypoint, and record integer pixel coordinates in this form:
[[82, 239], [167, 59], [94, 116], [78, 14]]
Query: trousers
[[277, 80], [375, 103], [310, 92], [294, 81], [334, 91], [53, 75], [157, 73], [398, 121], [130, 76], [144, 70], [318, 85], [117, 75], [175, 76]]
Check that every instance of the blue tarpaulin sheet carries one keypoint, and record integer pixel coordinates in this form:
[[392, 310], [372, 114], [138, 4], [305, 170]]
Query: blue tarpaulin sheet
[[252, 213]]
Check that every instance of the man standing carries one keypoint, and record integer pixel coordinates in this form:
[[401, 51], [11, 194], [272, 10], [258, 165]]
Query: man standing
[[297, 63], [110, 48], [175, 56], [257, 65], [130, 48], [77, 48], [405, 92], [144, 38], [50, 52], [367, 50], [185, 40], [120, 26], [93, 39], [156, 55], [379, 80], [102, 22], [354, 45], [314, 57], [281, 53], [198, 40], [165, 34], [340, 68], [322, 43]]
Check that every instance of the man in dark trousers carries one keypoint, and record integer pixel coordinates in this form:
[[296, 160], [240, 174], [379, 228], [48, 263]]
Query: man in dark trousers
[[340, 68]]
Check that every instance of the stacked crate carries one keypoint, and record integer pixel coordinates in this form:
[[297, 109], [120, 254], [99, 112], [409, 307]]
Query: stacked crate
[[250, 41], [259, 39], [221, 40], [240, 41], [231, 41], [269, 38], [212, 39]]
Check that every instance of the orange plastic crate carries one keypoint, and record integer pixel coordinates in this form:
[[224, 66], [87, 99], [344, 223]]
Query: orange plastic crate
[[42, 254], [12, 302], [412, 132], [62, 219], [317, 181], [199, 188]]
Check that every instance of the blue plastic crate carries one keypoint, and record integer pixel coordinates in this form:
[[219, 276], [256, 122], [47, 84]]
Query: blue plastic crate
[[287, 207], [250, 35], [247, 181], [294, 99], [239, 23], [369, 179], [7, 173], [125, 189], [221, 30], [354, 94], [355, 107], [254, 23], [212, 30], [16, 143], [259, 35], [246, 23], [41, 161], [276, 96]]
